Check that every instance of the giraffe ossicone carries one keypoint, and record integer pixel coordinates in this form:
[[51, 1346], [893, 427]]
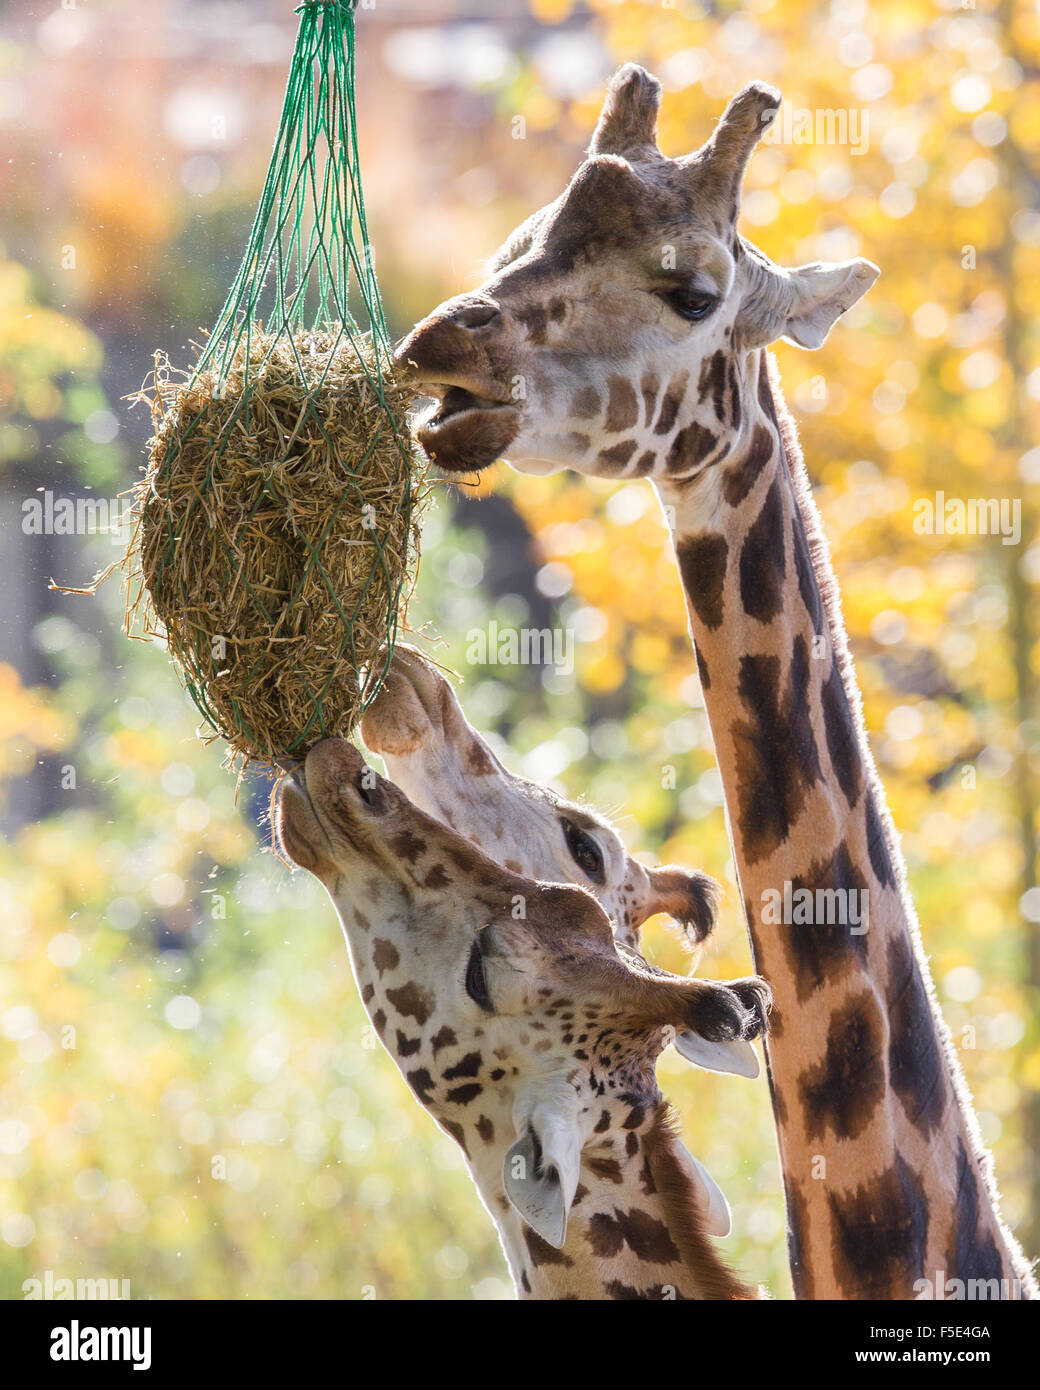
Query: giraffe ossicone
[[529, 1034], [530, 365], [623, 332]]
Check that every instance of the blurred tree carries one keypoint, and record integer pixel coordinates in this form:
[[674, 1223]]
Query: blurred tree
[[57, 442]]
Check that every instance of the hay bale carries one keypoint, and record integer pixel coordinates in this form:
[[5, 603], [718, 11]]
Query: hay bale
[[276, 537]]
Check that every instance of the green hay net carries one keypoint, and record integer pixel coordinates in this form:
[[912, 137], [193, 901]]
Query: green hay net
[[281, 498]]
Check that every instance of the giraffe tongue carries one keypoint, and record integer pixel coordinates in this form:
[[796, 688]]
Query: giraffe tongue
[[455, 400], [458, 399]]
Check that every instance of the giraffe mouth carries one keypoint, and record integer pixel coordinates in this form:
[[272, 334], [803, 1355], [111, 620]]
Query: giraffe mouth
[[301, 836], [409, 710], [455, 400], [464, 431], [332, 790]]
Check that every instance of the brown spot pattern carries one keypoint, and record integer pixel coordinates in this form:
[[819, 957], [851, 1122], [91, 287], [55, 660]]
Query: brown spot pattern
[[645, 1236], [702, 567], [842, 742], [384, 955], [462, 1095], [542, 1253], [880, 1259], [713, 382], [739, 478], [777, 759], [763, 560], [422, 1084], [691, 446], [649, 388], [673, 399], [842, 1091], [466, 1066], [618, 455], [411, 1001], [819, 952], [444, 1037], [622, 405], [915, 1059]]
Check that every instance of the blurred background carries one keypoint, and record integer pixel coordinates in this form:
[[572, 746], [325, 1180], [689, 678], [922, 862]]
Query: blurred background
[[190, 1098]]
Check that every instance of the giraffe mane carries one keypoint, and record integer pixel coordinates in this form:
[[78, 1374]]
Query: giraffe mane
[[793, 461], [683, 1214]]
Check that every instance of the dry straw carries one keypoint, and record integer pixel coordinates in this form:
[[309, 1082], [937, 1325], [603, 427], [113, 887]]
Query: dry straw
[[276, 536]]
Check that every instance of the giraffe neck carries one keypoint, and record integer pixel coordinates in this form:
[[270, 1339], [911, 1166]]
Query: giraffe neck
[[633, 1231], [871, 1108]]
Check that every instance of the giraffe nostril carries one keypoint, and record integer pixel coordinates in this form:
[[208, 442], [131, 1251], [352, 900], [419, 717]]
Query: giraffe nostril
[[475, 315]]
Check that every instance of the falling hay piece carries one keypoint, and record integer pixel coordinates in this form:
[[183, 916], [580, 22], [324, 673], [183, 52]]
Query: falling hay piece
[[276, 536]]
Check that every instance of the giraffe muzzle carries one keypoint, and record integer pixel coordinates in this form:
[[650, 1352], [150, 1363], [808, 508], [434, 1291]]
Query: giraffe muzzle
[[464, 432], [415, 705]]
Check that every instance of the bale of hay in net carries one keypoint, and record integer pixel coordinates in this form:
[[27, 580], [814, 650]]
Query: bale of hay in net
[[276, 536]]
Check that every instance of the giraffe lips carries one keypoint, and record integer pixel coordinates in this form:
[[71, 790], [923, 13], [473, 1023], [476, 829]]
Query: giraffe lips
[[330, 804], [464, 432], [301, 834], [458, 399], [338, 772], [410, 708]]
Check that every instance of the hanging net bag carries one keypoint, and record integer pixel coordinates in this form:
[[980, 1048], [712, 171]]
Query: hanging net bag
[[276, 530]]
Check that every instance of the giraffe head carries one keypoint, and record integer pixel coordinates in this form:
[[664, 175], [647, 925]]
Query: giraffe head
[[444, 766], [612, 334], [506, 1003]]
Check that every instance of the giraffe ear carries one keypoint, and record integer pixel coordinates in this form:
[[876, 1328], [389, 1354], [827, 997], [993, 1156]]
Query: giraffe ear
[[737, 1057], [711, 1200], [822, 293], [540, 1173]]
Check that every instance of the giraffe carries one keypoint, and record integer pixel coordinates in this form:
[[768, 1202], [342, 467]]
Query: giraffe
[[443, 765], [445, 768], [623, 332], [528, 1034]]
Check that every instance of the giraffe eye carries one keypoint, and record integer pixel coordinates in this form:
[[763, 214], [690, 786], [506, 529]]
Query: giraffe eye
[[585, 852], [476, 981], [689, 304], [369, 789]]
